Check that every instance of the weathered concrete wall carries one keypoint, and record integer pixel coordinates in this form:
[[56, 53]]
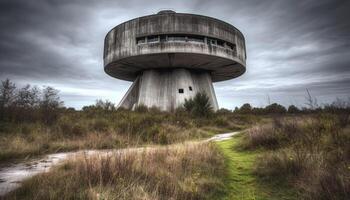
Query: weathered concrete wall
[[125, 59], [131, 96], [160, 68], [160, 88]]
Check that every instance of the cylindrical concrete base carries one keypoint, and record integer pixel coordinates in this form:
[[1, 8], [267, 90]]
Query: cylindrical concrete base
[[167, 89]]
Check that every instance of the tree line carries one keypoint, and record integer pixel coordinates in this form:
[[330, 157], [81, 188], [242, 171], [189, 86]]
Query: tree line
[[337, 106], [28, 103]]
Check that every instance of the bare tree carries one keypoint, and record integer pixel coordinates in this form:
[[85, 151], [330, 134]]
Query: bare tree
[[50, 104], [7, 93], [26, 104], [7, 97], [28, 97], [311, 102], [268, 99], [105, 105]]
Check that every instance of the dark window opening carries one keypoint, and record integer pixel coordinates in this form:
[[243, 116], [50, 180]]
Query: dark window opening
[[141, 40], [163, 38], [186, 38], [211, 41], [176, 38], [181, 90], [190, 88], [231, 46], [153, 38], [221, 43], [196, 38]]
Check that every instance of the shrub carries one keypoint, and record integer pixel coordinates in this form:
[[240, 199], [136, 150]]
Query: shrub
[[199, 106], [315, 155], [27, 128], [141, 108], [293, 109], [65, 126], [281, 164], [221, 121], [261, 136], [163, 138], [79, 130], [189, 105], [223, 111], [275, 108], [101, 125], [245, 108], [49, 105]]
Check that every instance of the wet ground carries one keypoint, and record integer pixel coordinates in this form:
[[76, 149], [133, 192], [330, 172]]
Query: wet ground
[[12, 175]]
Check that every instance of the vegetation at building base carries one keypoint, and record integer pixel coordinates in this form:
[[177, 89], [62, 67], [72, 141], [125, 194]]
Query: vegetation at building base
[[183, 171], [199, 106]]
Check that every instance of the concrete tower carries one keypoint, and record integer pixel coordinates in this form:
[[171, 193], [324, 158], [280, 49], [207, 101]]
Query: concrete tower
[[171, 56]]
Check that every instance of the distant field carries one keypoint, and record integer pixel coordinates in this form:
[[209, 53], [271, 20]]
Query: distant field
[[277, 157], [76, 130]]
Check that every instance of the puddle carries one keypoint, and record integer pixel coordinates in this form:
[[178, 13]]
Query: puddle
[[221, 137]]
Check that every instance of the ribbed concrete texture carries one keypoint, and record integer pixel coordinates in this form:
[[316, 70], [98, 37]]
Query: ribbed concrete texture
[[171, 56], [167, 89]]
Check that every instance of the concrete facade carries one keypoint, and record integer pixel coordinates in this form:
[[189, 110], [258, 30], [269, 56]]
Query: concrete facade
[[160, 88], [168, 53]]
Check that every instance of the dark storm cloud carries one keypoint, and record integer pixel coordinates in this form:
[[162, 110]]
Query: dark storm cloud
[[31, 37], [294, 45], [291, 45]]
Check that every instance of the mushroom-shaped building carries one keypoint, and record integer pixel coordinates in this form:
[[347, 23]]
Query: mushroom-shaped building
[[171, 56]]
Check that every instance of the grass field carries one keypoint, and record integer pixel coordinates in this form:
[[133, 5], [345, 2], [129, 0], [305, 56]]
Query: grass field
[[289, 158], [109, 130], [192, 170]]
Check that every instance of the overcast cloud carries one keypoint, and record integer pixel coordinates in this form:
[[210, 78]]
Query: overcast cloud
[[291, 45]]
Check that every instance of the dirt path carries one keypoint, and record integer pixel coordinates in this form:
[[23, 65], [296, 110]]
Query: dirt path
[[12, 175]]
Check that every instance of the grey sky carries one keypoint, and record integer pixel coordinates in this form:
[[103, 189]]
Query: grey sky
[[291, 45]]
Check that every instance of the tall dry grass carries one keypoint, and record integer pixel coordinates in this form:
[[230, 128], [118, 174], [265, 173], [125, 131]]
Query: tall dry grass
[[311, 152], [186, 171], [109, 129]]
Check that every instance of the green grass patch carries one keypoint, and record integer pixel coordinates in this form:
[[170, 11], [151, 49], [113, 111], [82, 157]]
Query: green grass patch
[[241, 181]]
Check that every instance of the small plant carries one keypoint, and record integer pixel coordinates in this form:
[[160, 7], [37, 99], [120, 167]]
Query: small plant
[[199, 106], [141, 108], [163, 138]]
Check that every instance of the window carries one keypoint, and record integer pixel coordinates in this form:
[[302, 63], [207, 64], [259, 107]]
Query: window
[[181, 90], [196, 38], [141, 40], [186, 38], [163, 38], [153, 38], [190, 88], [221, 43], [176, 38], [231, 46]]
